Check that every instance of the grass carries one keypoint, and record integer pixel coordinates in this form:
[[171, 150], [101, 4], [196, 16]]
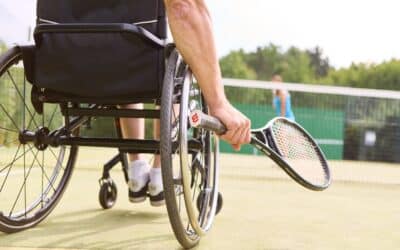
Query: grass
[[263, 209]]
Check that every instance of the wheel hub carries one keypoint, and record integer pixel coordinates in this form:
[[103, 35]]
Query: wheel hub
[[39, 138]]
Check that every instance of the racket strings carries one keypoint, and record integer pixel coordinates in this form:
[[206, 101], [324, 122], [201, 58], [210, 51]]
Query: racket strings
[[299, 151]]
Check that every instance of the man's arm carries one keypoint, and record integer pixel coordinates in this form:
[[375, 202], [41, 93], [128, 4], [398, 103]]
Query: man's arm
[[282, 97], [191, 28]]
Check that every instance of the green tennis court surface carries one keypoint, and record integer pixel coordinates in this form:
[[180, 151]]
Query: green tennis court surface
[[263, 209]]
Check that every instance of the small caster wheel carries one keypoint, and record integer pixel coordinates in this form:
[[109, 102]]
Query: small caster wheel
[[219, 201], [107, 193]]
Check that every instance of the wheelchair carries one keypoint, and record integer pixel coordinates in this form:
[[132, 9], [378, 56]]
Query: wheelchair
[[89, 59]]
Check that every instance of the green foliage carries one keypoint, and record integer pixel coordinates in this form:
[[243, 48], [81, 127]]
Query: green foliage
[[297, 66], [381, 76], [294, 65], [3, 47], [308, 66], [318, 63], [266, 61], [235, 66]]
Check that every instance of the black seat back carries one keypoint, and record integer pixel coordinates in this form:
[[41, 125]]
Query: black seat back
[[149, 13], [99, 64]]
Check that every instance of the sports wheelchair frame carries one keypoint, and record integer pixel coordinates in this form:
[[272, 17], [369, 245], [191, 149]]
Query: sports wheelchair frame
[[88, 59]]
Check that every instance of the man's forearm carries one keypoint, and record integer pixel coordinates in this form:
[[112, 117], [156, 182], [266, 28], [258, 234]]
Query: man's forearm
[[191, 27]]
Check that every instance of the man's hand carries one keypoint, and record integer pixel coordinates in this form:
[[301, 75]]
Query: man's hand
[[238, 126]]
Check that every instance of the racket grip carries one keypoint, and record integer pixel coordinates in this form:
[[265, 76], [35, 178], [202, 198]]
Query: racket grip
[[200, 120]]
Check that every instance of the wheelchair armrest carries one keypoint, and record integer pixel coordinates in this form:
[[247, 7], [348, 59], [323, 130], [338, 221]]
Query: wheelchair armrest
[[99, 28]]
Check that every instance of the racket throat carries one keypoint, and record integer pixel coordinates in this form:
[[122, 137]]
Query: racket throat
[[259, 145]]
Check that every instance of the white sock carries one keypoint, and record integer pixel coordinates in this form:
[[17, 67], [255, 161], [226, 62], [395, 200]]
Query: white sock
[[156, 184], [138, 173]]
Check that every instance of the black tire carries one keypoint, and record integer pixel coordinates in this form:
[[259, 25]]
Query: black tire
[[32, 177], [108, 194], [181, 199]]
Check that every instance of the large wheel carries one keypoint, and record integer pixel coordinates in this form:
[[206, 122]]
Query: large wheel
[[188, 156], [33, 176]]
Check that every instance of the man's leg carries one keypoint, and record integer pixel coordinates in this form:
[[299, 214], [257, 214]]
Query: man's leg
[[138, 169], [156, 185], [156, 136], [139, 172], [133, 128]]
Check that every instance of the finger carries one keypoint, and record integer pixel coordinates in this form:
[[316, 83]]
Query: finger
[[231, 133], [234, 140], [248, 136], [227, 136], [236, 147], [241, 133], [248, 131]]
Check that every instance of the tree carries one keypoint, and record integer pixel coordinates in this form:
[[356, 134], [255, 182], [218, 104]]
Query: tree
[[293, 64], [234, 66], [3, 47], [381, 76], [266, 61], [297, 66], [319, 63]]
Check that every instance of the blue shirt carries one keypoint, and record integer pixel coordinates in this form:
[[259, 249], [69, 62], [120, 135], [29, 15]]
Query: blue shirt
[[277, 104]]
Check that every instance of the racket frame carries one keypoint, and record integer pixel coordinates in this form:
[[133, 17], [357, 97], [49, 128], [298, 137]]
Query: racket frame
[[263, 139]]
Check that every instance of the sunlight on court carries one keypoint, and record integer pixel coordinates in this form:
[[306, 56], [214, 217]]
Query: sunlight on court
[[263, 209]]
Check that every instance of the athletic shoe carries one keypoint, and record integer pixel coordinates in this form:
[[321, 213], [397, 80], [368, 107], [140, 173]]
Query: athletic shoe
[[155, 188], [138, 173]]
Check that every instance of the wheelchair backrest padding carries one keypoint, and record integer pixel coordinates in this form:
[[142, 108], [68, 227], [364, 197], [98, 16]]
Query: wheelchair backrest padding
[[101, 11], [101, 64]]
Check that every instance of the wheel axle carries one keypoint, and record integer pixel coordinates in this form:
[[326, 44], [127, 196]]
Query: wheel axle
[[40, 137]]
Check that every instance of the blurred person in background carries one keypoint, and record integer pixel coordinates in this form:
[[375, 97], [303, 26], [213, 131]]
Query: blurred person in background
[[281, 101]]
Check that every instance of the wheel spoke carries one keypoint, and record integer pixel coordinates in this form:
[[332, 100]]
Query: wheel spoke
[[23, 103], [8, 129], [9, 169], [9, 117], [26, 175], [14, 160], [57, 158], [30, 121], [42, 176], [9, 142], [196, 176], [52, 117], [45, 174], [42, 180], [22, 97]]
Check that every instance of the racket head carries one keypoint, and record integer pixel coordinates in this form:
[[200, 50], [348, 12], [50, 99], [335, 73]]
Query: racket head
[[296, 152]]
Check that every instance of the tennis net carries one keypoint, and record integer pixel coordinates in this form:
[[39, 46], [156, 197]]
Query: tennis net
[[357, 129]]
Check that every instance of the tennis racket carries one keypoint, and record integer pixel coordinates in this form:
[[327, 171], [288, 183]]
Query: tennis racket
[[287, 144]]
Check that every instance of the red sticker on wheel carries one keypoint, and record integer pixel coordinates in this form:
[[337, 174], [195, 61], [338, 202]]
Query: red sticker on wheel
[[195, 118]]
